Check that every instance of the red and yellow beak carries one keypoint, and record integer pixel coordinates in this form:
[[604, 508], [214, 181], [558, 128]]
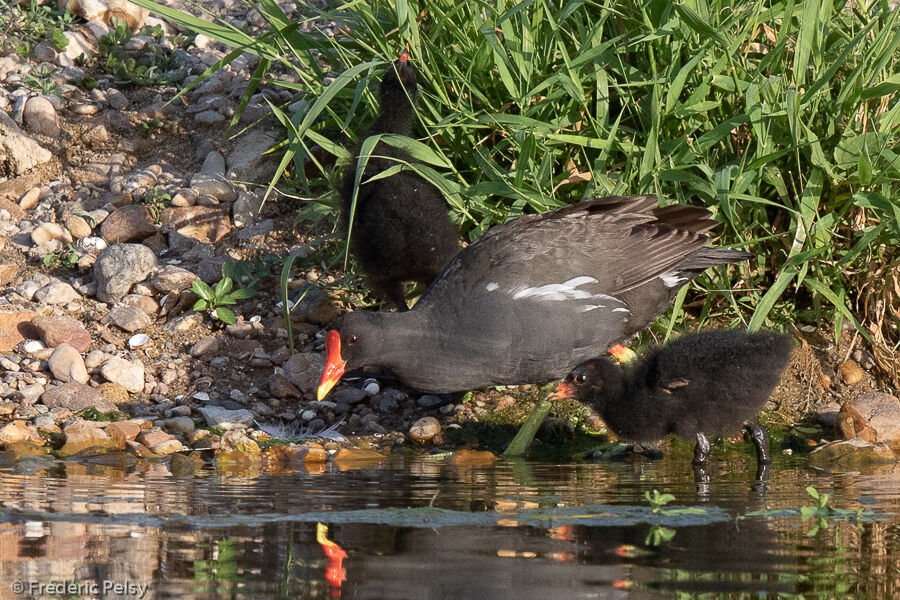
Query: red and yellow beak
[[623, 354], [334, 364], [563, 391]]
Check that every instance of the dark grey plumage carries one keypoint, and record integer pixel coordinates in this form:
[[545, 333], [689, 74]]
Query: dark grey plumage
[[537, 295], [712, 383], [401, 230]]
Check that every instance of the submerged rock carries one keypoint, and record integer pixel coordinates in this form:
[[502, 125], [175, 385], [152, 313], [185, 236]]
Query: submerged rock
[[19, 431], [849, 455]]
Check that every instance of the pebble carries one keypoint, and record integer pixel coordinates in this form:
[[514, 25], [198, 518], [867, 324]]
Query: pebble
[[424, 430], [31, 393], [57, 292], [93, 244], [227, 419], [59, 329], [128, 223], [171, 278], [184, 425], [117, 100], [209, 117], [214, 186], [94, 359], [19, 431], [46, 232], [303, 370], [206, 346], [30, 199], [78, 226], [40, 117], [371, 387], [431, 401], [129, 318], [32, 346], [67, 365], [850, 372], [128, 374], [75, 397], [119, 267], [349, 395]]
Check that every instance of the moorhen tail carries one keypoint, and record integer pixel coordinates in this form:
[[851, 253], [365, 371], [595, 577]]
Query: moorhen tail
[[401, 230], [708, 383], [534, 297]]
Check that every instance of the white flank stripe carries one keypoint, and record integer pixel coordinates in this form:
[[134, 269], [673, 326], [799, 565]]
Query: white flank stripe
[[671, 279], [557, 291], [491, 286]]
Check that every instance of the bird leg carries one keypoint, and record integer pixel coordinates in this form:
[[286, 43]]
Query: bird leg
[[701, 478], [701, 449], [761, 440]]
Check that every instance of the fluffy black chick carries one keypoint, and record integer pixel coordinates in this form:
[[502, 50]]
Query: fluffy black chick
[[713, 382], [401, 230]]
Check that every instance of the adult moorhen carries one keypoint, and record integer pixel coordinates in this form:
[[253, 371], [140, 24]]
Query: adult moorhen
[[401, 230], [713, 382], [534, 296]]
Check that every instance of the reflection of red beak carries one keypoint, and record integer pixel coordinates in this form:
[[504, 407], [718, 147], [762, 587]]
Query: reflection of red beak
[[335, 574], [563, 391], [334, 364]]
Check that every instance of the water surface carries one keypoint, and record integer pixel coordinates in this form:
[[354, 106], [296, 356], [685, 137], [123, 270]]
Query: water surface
[[423, 527]]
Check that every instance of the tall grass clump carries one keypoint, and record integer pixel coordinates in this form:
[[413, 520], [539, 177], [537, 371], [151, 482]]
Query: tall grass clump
[[781, 117]]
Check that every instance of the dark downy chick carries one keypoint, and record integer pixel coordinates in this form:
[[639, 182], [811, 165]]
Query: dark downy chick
[[401, 230], [713, 383]]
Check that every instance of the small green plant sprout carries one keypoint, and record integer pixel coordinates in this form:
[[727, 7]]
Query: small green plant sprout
[[155, 199], [658, 500], [150, 126], [215, 299], [820, 511], [67, 258], [40, 79], [658, 534]]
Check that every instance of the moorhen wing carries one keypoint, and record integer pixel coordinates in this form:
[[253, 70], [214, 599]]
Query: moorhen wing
[[534, 297]]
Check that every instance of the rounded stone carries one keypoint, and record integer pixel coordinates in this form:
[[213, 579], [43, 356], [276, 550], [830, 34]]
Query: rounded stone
[[40, 117], [424, 430], [67, 365]]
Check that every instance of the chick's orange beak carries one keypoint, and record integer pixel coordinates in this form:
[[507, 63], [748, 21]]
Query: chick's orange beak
[[334, 364], [563, 391]]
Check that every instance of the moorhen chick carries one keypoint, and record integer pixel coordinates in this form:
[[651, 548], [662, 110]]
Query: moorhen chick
[[713, 382], [534, 296], [401, 230]]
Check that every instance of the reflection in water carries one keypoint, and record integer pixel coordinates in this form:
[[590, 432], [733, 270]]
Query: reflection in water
[[508, 530]]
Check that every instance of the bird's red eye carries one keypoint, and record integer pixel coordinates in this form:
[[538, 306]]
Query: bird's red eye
[[353, 339], [580, 378]]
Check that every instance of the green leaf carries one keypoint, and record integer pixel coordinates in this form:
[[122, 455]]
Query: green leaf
[[203, 290], [201, 305], [223, 287], [704, 29], [226, 316], [242, 294]]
